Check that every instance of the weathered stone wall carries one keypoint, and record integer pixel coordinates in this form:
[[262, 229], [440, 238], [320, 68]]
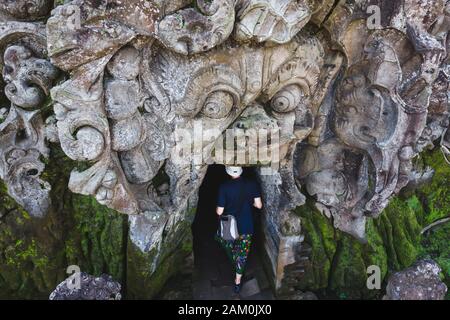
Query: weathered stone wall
[[77, 231], [356, 91], [338, 263]]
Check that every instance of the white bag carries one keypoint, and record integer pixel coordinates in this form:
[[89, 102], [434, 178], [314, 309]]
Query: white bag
[[228, 228]]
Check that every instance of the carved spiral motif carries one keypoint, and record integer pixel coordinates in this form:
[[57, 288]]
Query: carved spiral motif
[[28, 78], [218, 105], [214, 92], [82, 138], [89, 143], [287, 99]]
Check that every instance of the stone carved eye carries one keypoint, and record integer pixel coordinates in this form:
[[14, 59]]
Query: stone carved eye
[[218, 105], [288, 99]]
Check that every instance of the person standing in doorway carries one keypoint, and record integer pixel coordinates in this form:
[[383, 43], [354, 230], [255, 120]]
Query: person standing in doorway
[[237, 197]]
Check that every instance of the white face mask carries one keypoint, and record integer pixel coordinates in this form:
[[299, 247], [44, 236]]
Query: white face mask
[[234, 171]]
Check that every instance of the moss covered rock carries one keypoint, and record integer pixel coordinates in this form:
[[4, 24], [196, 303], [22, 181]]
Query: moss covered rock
[[76, 231], [35, 253], [148, 272], [338, 263]]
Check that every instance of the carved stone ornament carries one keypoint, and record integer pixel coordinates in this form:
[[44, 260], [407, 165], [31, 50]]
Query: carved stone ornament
[[353, 105]]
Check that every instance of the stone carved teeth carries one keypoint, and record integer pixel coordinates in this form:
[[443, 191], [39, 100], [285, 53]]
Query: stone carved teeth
[[127, 134]]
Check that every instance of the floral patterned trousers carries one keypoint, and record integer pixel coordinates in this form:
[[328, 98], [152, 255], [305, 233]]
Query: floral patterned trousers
[[237, 250]]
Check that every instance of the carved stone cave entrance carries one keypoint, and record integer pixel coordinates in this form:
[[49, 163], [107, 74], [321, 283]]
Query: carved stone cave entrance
[[213, 272]]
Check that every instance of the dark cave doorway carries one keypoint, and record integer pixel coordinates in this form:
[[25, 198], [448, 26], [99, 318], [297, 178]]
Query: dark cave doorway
[[213, 272]]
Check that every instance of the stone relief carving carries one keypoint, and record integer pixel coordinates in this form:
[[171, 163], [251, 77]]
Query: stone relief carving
[[28, 78], [276, 21], [26, 10], [391, 103], [191, 31], [353, 105]]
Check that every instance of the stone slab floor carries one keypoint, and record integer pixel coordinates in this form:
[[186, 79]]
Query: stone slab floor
[[213, 274]]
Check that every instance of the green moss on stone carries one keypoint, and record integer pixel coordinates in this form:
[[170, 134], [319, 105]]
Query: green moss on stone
[[75, 231], [99, 232], [435, 196], [79, 231], [348, 272], [320, 235], [142, 281], [339, 262]]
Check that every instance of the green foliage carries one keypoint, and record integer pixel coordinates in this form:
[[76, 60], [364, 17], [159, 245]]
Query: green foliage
[[435, 204], [436, 246]]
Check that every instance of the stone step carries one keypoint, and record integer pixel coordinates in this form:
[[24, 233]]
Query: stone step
[[250, 288], [202, 290]]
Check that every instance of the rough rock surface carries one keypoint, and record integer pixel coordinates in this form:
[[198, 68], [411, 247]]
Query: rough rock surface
[[91, 288], [117, 85], [419, 282]]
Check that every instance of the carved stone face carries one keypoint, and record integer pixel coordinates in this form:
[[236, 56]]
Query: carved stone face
[[335, 190], [338, 179], [139, 72], [211, 90], [364, 114]]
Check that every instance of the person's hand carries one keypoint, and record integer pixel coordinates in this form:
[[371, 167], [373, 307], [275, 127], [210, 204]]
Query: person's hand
[[257, 203]]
